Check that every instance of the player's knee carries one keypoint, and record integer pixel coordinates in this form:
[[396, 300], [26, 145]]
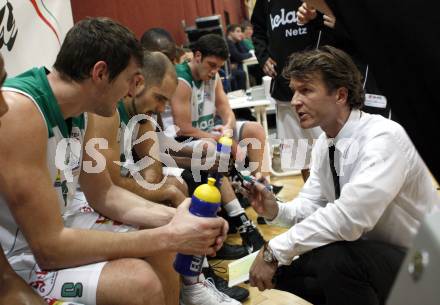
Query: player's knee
[[254, 130], [132, 281], [258, 130], [147, 288]]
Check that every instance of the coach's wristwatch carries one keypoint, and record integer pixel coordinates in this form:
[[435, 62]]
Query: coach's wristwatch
[[268, 256]]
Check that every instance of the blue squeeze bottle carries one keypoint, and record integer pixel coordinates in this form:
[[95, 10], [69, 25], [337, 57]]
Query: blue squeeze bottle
[[204, 203], [224, 148]]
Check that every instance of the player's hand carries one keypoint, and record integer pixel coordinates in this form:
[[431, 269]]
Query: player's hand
[[238, 152], [193, 235], [173, 194], [223, 130]]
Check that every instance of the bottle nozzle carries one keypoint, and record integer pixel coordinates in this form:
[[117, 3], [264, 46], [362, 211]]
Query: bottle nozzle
[[211, 181]]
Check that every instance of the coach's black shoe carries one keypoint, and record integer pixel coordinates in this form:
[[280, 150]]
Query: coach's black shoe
[[251, 237], [236, 292], [230, 252]]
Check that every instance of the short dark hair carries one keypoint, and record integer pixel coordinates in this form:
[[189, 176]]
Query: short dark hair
[[246, 24], [158, 39], [179, 52], [232, 27], [155, 66], [336, 68], [95, 39], [211, 45]]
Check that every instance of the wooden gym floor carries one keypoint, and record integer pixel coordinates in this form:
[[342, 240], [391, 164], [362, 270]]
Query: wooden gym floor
[[292, 185]]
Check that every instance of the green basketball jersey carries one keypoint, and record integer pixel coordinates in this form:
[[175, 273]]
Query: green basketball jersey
[[202, 98], [64, 151]]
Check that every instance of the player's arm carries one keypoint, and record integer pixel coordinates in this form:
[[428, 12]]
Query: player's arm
[[30, 195], [181, 109], [108, 129], [106, 197], [148, 147], [222, 106]]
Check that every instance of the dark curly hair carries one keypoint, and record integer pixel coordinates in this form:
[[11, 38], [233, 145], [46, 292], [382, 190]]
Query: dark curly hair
[[336, 68]]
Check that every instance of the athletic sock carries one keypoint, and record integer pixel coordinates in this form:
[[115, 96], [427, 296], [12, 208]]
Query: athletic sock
[[237, 216], [233, 208]]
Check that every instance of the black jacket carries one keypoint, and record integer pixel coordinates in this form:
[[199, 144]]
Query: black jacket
[[277, 35], [402, 45]]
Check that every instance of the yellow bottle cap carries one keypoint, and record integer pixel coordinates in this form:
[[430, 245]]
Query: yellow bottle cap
[[208, 192], [225, 141]]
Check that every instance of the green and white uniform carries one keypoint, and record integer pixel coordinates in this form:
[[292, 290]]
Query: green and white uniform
[[64, 147], [203, 110], [202, 98], [126, 140]]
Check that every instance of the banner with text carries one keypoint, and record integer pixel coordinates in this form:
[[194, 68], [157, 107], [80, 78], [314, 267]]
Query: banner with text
[[32, 32]]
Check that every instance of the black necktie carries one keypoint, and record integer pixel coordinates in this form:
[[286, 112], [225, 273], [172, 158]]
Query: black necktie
[[331, 155]]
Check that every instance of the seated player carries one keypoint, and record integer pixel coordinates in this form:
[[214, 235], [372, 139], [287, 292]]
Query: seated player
[[13, 290], [159, 82], [42, 160], [158, 39], [199, 98], [134, 122]]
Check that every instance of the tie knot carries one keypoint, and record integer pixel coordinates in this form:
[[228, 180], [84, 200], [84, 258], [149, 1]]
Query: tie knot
[[331, 151]]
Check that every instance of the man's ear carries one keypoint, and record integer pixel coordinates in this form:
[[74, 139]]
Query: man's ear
[[139, 80], [137, 86], [100, 71], [341, 96], [198, 57]]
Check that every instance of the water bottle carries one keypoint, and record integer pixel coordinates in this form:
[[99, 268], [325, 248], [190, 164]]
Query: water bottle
[[204, 203], [223, 155]]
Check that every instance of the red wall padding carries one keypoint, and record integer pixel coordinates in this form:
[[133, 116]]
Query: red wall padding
[[139, 15]]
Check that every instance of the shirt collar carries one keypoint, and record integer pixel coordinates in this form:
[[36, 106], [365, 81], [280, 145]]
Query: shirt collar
[[346, 131]]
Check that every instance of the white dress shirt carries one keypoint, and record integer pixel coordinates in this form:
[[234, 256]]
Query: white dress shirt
[[386, 190]]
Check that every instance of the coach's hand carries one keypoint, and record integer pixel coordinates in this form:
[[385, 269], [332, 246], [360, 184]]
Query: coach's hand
[[263, 201], [262, 273]]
